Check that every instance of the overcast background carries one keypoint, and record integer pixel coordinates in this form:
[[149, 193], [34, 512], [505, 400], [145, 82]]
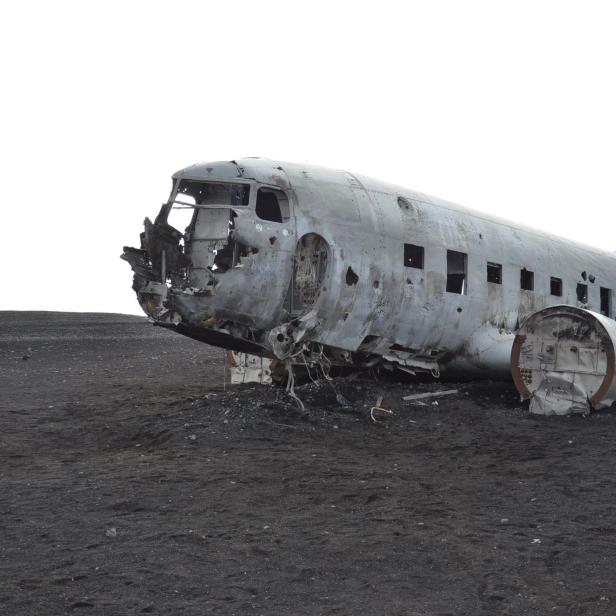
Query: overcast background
[[507, 107]]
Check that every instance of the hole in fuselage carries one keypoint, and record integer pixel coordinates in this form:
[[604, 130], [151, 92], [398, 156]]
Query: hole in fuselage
[[351, 277]]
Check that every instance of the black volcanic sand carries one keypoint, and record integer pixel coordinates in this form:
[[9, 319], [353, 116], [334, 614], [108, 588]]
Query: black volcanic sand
[[131, 483]]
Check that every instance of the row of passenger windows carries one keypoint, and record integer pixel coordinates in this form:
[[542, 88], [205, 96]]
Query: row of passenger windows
[[457, 276]]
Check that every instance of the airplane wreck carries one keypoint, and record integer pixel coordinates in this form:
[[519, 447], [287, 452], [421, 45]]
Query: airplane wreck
[[316, 267]]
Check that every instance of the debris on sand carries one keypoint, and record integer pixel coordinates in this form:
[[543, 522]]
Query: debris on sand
[[377, 407], [431, 394]]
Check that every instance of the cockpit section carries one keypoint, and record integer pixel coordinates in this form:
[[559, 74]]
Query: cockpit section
[[205, 213], [218, 255]]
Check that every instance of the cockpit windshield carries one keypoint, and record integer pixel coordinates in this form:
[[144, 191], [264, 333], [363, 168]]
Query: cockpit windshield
[[180, 210], [205, 193]]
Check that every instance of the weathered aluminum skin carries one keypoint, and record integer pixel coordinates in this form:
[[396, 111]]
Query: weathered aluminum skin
[[370, 309]]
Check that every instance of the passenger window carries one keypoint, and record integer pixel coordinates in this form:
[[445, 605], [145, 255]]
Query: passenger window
[[606, 302], [413, 256], [527, 280], [495, 273], [456, 272], [556, 286], [582, 293], [272, 205]]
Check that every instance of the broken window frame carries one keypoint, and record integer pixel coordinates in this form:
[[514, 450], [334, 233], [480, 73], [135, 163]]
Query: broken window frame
[[581, 293], [556, 281], [494, 272], [229, 252], [414, 256], [457, 281], [184, 212], [235, 182], [174, 202], [606, 301], [527, 280]]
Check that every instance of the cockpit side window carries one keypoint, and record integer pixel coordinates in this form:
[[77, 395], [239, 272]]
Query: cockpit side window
[[272, 205]]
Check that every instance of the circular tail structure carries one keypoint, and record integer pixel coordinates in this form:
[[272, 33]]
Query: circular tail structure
[[563, 361]]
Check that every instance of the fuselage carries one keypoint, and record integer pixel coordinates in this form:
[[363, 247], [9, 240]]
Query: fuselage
[[288, 261]]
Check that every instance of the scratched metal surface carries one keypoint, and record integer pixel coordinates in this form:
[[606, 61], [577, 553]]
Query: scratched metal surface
[[381, 304]]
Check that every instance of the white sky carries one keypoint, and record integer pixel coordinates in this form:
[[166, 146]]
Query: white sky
[[506, 107]]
